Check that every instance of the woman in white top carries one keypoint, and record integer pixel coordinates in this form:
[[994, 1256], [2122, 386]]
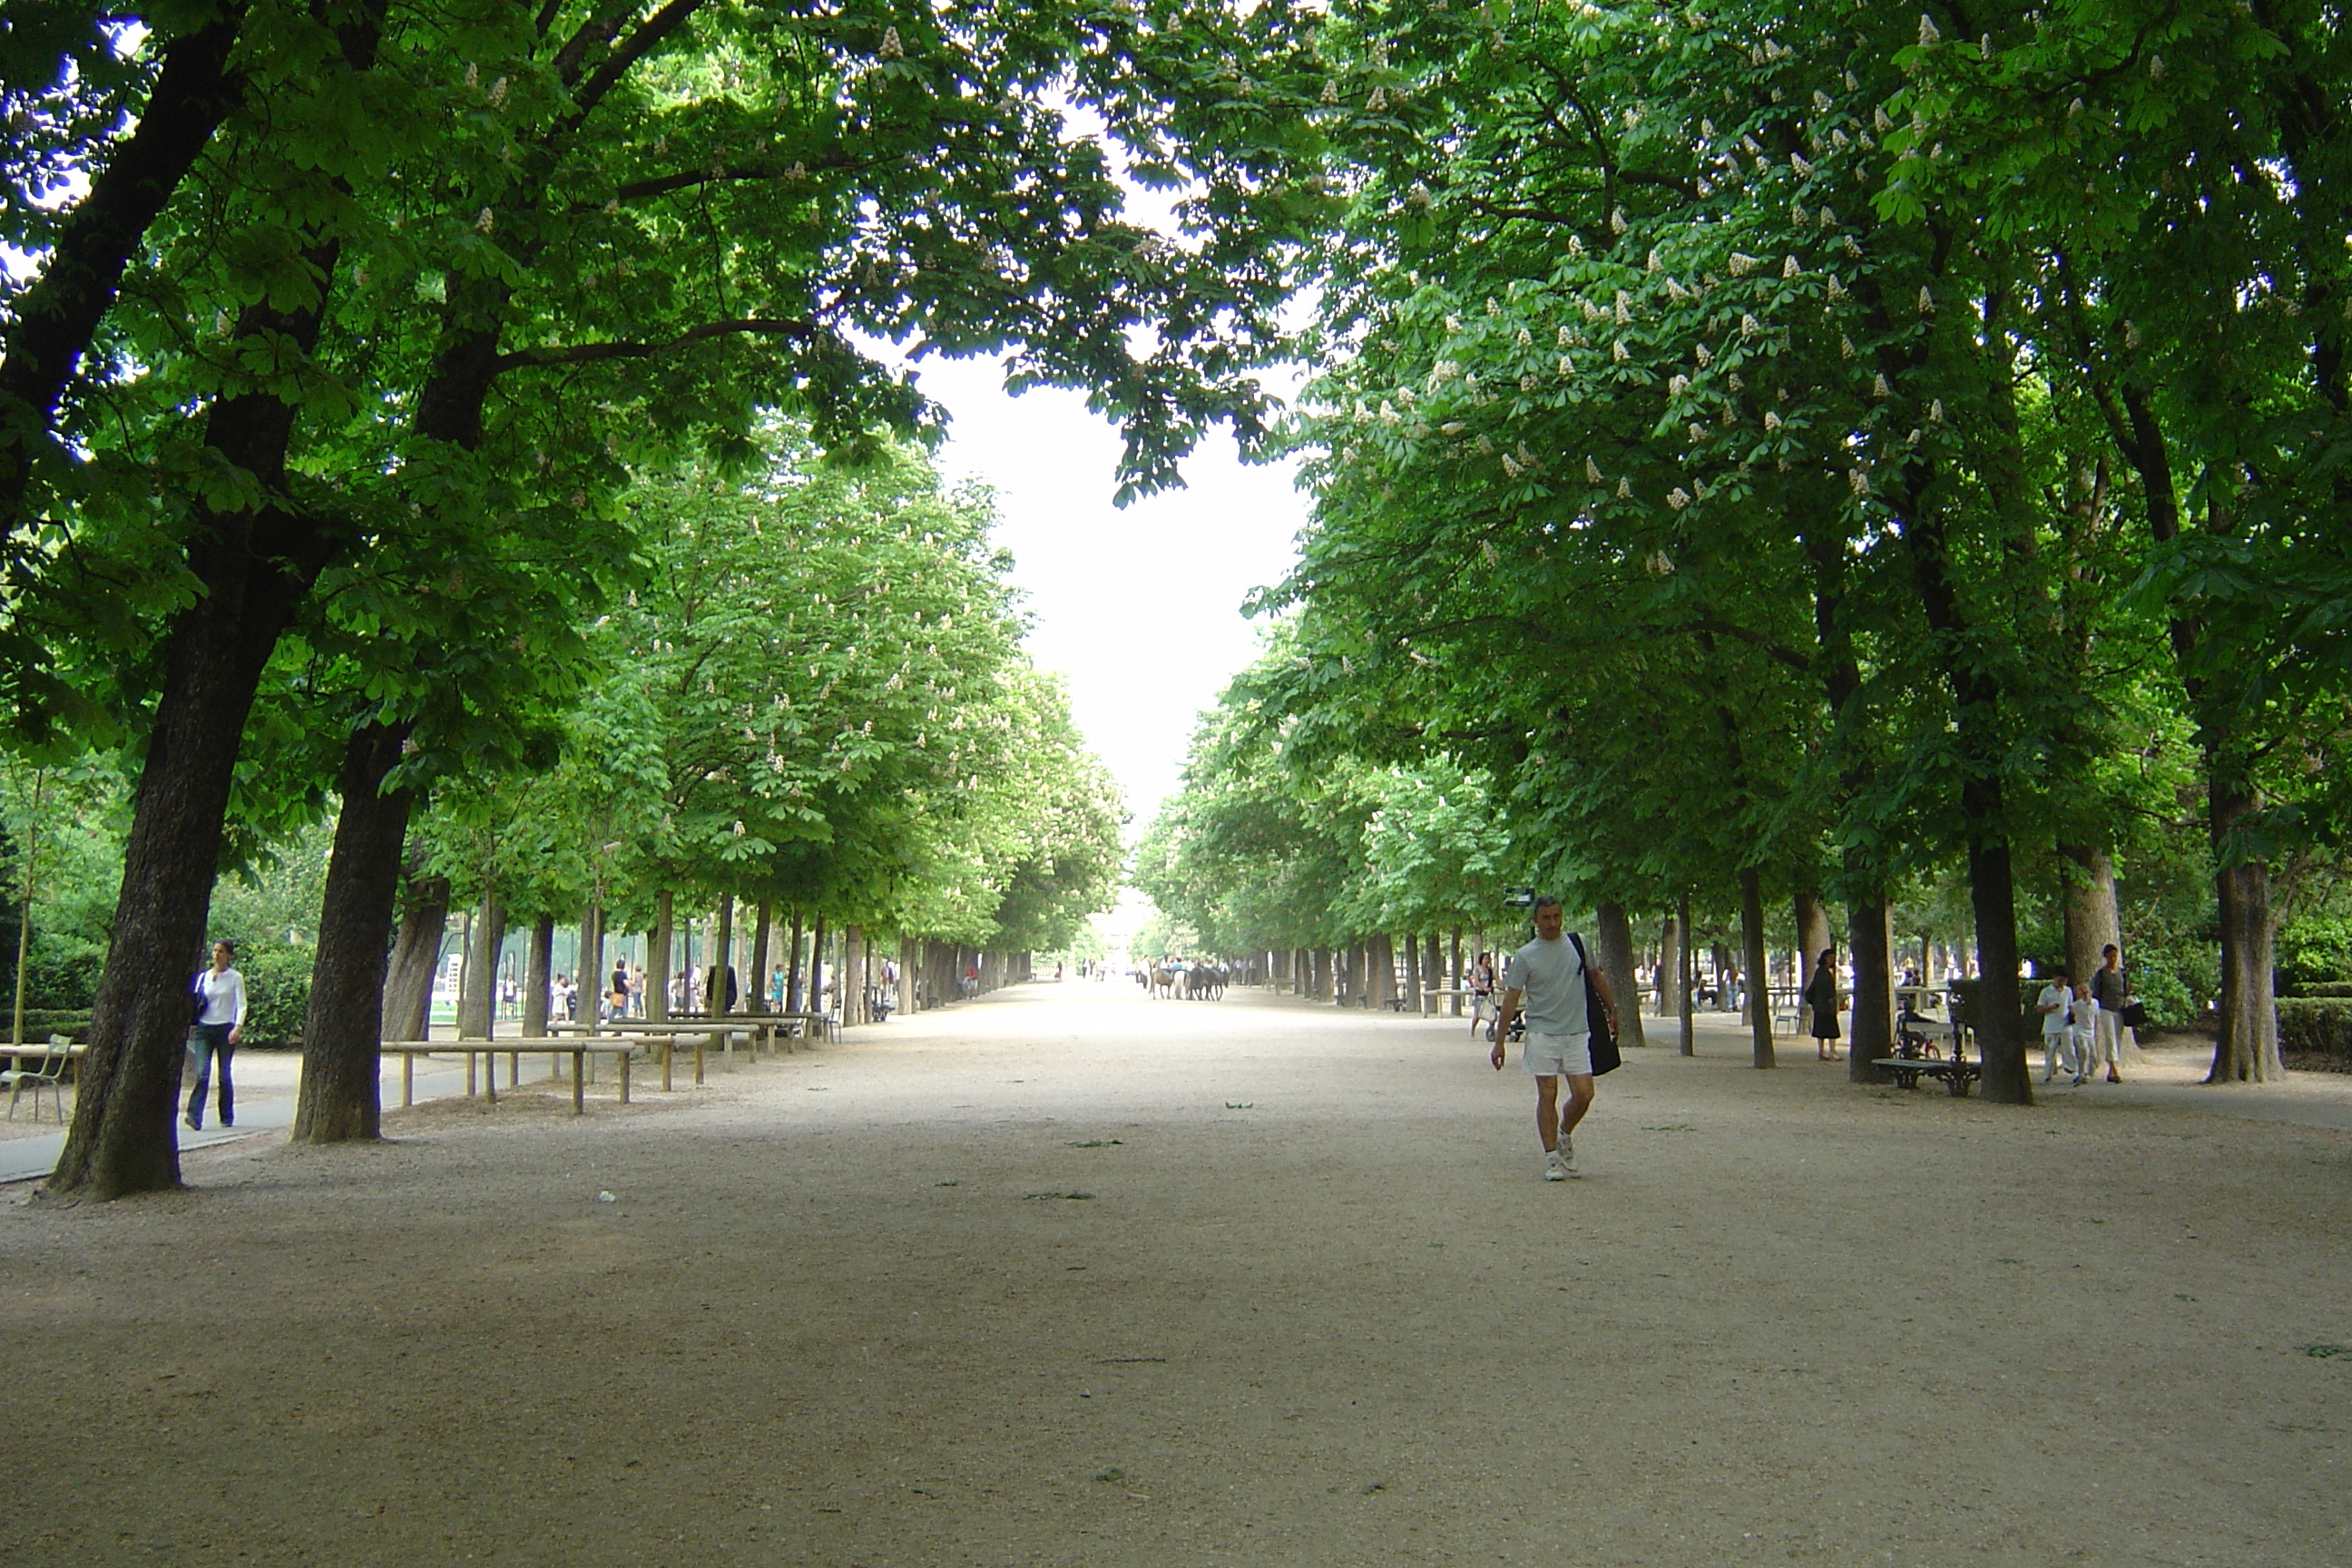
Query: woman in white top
[[220, 1024]]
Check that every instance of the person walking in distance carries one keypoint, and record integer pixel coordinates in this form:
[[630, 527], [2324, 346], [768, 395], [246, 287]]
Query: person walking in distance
[[220, 1024], [2055, 1004], [1821, 996], [1548, 977], [2111, 990]]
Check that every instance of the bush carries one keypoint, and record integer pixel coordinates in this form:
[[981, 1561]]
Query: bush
[[277, 991], [2313, 949], [2318, 988], [61, 972], [2175, 983], [2316, 1032]]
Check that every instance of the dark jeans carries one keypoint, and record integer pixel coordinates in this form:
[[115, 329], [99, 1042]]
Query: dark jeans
[[208, 1042]]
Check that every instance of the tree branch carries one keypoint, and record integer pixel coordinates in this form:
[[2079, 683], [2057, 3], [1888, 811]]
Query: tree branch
[[583, 354]]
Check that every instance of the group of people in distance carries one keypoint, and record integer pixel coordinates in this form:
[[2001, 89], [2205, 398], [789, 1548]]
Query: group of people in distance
[[2082, 1025]]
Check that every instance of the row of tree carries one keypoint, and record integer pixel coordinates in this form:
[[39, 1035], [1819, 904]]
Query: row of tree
[[1808, 451], [342, 331]]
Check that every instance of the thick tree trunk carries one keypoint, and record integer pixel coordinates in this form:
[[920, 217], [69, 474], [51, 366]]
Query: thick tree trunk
[[661, 955], [1870, 943], [342, 1032], [1688, 1044], [2089, 899], [1759, 988], [906, 976], [1613, 932], [1412, 974], [2246, 1049], [2000, 1030], [1454, 976], [417, 959], [539, 972], [122, 1140], [478, 988]]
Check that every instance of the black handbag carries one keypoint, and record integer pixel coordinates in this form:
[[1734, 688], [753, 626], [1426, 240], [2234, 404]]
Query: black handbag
[[2134, 1015], [1606, 1058]]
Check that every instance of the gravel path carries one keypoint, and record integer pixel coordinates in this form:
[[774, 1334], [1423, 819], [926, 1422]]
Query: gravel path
[[1067, 1275]]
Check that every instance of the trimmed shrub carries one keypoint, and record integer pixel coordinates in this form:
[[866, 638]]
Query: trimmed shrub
[[2320, 988], [2314, 948], [2316, 1032]]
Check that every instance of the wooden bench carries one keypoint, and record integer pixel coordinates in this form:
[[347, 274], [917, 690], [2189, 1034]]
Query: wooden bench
[[666, 1035], [579, 1051]]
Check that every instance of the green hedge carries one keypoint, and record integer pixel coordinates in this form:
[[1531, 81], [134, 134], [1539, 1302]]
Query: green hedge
[[277, 991], [2332, 988], [2317, 1032]]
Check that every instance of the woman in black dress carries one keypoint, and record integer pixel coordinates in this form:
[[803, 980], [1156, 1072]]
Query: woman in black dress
[[1821, 996]]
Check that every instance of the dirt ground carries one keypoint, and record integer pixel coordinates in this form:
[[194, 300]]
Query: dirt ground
[[1071, 1277]]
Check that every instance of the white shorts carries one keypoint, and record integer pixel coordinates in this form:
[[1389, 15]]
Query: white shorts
[[1558, 1056], [1481, 1006]]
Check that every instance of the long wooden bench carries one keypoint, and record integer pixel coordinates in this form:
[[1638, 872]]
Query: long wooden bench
[[579, 1049], [666, 1035]]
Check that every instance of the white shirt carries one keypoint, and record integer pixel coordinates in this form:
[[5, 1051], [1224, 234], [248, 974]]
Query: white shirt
[[1550, 978], [2055, 997], [224, 992]]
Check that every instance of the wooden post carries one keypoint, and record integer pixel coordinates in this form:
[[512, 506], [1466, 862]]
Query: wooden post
[[490, 1075], [666, 1045], [407, 1079], [578, 1089], [625, 1076], [469, 1075]]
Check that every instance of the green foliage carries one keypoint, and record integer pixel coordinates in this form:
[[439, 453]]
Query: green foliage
[[2316, 1032], [2313, 949], [278, 990]]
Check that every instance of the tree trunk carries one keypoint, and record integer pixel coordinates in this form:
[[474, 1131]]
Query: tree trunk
[[1412, 974], [2000, 1031], [816, 967], [478, 988], [852, 974], [763, 932], [661, 956], [723, 959], [590, 978], [1870, 943], [2246, 1049], [1613, 934], [1672, 969], [906, 950], [1453, 975], [122, 1140], [417, 958], [792, 990], [538, 974], [342, 1032], [1813, 932], [1751, 940], [2089, 897], [1688, 1045]]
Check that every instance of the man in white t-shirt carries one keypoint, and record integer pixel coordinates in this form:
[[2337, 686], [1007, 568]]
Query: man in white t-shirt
[[1548, 975]]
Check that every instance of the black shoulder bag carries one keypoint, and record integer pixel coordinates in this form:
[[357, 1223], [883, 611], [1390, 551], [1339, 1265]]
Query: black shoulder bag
[[1605, 1056]]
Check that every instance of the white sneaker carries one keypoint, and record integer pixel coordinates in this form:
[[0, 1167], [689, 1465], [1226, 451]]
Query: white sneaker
[[1555, 1168], [1567, 1153]]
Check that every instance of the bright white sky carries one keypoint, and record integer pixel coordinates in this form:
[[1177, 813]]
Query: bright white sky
[[1138, 609]]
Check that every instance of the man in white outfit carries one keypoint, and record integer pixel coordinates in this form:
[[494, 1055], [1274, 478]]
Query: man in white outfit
[[1548, 973]]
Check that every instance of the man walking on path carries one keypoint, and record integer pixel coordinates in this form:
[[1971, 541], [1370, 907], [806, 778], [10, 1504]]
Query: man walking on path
[[1550, 975]]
